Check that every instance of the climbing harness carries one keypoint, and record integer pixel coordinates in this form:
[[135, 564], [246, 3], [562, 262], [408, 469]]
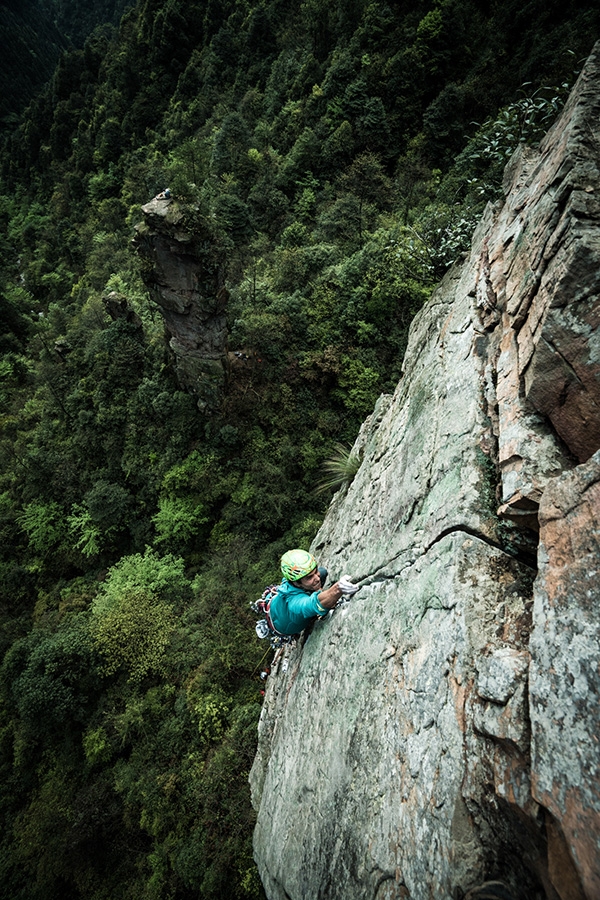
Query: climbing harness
[[265, 627]]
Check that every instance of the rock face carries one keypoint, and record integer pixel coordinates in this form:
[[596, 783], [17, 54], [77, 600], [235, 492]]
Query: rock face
[[441, 729], [185, 278], [565, 666]]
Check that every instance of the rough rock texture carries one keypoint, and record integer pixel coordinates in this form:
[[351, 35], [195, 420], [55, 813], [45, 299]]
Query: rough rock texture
[[565, 666], [186, 280], [441, 729]]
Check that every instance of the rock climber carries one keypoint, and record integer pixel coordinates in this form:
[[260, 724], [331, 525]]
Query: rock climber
[[300, 596]]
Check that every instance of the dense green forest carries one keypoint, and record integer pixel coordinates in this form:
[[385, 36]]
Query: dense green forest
[[337, 153], [33, 34]]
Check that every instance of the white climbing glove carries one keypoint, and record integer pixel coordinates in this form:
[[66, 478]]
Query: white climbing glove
[[346, 586]]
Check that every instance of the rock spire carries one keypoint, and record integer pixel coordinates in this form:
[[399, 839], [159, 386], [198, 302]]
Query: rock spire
[[185, 276]]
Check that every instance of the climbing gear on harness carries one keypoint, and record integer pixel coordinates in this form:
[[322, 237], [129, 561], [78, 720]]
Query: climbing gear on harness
[[265, 627], [295, 564], [262, 629]]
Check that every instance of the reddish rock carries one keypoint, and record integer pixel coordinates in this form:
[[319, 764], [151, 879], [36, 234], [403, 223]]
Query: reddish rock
[[565, 669]]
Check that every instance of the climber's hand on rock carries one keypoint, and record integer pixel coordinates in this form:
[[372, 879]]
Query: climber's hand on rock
[[346, 586], [341, 589]]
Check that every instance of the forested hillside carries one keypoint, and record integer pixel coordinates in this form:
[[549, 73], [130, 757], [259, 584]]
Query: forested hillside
[[335, 156], [33, 35]]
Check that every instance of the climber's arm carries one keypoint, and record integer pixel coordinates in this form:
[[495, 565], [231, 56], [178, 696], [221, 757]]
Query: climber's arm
[[330, 597]]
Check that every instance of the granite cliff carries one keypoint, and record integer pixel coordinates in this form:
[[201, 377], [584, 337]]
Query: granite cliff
[[441, 729]]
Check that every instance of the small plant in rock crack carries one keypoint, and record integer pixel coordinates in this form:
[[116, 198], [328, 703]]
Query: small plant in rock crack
[[339, 469]]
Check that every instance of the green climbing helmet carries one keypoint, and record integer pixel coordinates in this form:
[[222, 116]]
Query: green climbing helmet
[[295, 564]]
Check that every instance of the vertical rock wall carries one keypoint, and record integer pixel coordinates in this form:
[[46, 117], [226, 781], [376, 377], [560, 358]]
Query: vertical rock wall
[[441, 729]]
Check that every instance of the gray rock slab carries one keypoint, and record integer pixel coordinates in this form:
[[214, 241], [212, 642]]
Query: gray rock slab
[[359, 776]]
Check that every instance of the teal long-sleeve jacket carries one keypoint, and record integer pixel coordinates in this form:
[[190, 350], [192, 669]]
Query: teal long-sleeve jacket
[[292, 608]]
